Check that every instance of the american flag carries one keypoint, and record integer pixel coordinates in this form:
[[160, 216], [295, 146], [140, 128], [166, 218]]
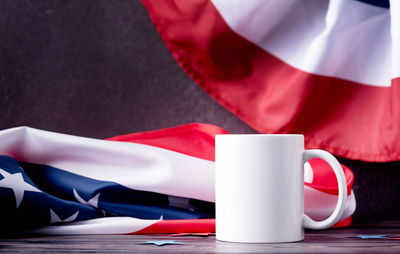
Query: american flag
[[151, 182], [327, 69]]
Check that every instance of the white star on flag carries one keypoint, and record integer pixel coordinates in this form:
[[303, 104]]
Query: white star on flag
[[54, 218], [17, 184], [94, 201]]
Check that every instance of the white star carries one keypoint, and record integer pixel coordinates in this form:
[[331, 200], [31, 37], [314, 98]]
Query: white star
[[54, 218], [17, 184], [94, 201]]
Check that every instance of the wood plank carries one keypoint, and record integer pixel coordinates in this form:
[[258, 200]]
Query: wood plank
[[326, 241]]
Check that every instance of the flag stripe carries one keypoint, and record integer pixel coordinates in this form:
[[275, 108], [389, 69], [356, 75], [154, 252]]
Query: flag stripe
[[100, 226], [179, 226], [139, 167], [339, 32], [198, 140], [192, 139], [344, 117]]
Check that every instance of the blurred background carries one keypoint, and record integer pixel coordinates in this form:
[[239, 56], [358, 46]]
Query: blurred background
[[99, 69]]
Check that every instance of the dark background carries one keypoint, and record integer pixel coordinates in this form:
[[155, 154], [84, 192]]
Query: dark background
[[99, 69]]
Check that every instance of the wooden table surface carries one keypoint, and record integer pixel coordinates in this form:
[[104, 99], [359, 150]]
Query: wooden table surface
[[326, 241]]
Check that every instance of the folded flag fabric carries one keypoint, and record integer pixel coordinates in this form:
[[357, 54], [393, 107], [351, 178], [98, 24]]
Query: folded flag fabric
[[151, 182], [327, 69]]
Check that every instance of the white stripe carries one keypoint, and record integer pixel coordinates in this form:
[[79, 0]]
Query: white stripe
[[395, 32], [101, 226], [308, 173], [135, 166], [320, 205], [339, 38]]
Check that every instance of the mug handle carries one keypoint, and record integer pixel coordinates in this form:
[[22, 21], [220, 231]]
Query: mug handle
[[342, 197]]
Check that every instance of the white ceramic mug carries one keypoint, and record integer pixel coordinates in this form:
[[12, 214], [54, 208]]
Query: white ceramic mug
[[260, 188]]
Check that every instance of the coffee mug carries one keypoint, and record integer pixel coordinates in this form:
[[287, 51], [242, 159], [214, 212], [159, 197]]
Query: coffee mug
[[260, 188]]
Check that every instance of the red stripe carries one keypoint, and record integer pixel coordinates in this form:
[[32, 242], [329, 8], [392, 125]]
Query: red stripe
[[343, 223], [179, 226], [343, 117], [324, 178], [196, 139]]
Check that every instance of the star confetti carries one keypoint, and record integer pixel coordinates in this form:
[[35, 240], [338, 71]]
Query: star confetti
[[162, 242], [370, 236]]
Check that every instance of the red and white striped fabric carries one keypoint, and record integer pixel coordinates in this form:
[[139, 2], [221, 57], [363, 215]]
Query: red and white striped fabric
[[327, 69], [176, 161]]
